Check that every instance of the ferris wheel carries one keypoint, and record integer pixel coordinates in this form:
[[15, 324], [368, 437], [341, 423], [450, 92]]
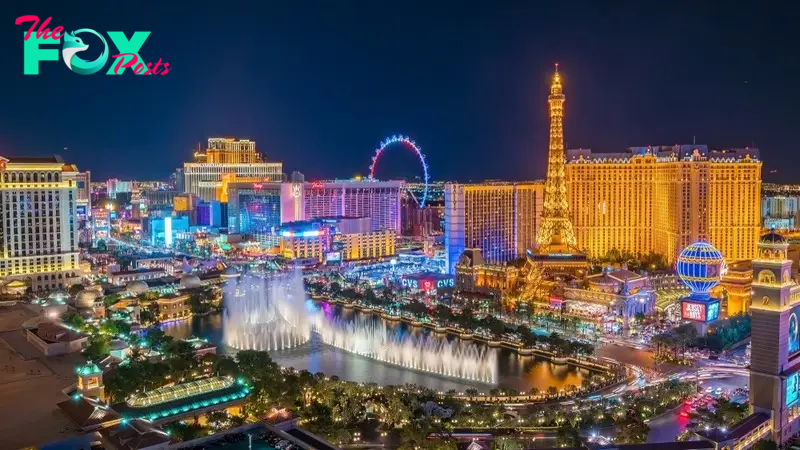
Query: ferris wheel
[[407, 142]]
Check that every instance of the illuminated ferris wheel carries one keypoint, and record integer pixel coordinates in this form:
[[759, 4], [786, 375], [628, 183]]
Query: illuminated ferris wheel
[[404, 141]]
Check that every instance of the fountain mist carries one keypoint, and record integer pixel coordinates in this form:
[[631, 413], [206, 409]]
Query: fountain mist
[[265, 313]]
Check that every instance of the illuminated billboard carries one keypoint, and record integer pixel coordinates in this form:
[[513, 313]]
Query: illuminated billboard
[[794, 342], [333, 257], [700, 311], [792, 389], [427, 282]]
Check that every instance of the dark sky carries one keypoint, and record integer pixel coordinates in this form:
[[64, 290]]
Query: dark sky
[[319, 83]]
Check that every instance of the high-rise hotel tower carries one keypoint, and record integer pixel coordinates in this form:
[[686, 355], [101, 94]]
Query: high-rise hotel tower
[[227, 160], [501, 219], [664, 198], [38, 222], [775, 361]]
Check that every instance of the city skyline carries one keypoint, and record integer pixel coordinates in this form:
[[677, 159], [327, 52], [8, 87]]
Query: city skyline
[[322, 105]]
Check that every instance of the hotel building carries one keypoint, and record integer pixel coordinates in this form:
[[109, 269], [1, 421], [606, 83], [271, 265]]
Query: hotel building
[[780, 211], [335, 239], [38, 222], [83, 182], [259, 209], [500, 219], [227, 160], [775, 360], [378, 200], [663, 198]]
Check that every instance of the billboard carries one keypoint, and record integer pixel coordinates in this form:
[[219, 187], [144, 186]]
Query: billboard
[[333, 257], [794, 342], [700, 311], [792, 389]]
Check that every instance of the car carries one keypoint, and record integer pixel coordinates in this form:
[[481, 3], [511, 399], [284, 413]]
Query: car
[[709, 389]]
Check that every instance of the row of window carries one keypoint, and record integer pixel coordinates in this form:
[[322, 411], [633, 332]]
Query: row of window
[[28, 177]]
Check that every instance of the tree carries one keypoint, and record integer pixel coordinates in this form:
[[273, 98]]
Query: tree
[[178, 350], [75, 288], [256, 365], [766, 444], [110, 300], [370, 297], [99, 347], [73, 320], [335, 289], [568, 436], [157, 338], [505, 443], [633, 430], [218, 420], [225, 366], [198, 303], [183, 432]]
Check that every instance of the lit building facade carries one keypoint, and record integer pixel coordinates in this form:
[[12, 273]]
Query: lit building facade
[[83, 183], [335, 239], [38, 222], [661, 199], [735, 288], [227, 160], [501, 219], [254, 209], [306, 240], [780, 211], [378, 200], [369, 245], [775, 354], [164, 231], [473, 275]]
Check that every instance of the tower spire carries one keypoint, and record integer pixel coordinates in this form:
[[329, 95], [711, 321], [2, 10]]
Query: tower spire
[[556, 229]]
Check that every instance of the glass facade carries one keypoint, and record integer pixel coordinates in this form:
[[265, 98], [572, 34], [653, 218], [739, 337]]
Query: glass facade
[[259, 213]]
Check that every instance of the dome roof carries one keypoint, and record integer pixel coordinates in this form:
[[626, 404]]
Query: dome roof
[[95, 287], [700, 267], [190, 281], [86, 298], [772, 238], [136, 287]]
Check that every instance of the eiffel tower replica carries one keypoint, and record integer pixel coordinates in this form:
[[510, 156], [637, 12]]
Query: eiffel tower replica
[[557, 250]]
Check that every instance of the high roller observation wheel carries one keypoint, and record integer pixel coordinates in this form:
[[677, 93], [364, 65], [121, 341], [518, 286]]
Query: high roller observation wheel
[[410, 144]]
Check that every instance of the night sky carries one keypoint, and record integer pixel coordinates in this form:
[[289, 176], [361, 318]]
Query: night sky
[[318, 84]]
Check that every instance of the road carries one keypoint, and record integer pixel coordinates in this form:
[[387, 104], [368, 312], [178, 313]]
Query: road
[[665, 428]]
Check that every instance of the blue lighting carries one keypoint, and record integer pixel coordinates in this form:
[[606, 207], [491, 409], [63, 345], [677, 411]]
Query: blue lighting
[[700, 267]]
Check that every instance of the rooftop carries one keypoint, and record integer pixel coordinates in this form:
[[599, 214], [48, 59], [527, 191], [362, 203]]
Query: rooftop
[[86, 412], [677, 152], [179, 391], [54, 159], [182, 398], [134, 434], [738, 431]]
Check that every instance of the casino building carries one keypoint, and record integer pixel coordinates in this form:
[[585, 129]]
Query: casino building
[[775, 360], [662, 198]]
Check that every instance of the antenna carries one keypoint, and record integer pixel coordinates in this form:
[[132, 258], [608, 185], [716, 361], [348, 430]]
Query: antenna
[[694, 140]]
